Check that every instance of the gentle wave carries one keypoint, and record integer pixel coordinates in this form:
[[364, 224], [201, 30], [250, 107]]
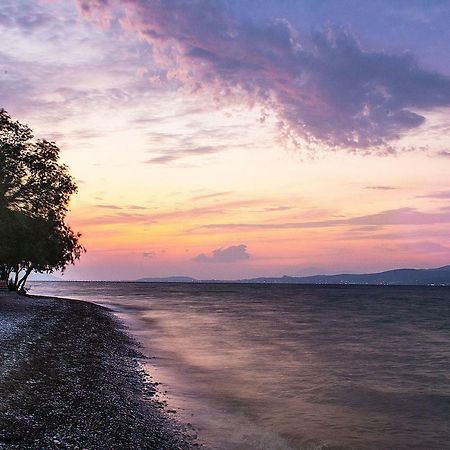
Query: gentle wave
[[293, 367]]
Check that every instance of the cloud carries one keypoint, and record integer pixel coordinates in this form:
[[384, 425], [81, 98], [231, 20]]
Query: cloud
[[87, 133], [444, 195], [230, 254], [424, 247], [176, 154], [209, 196], [444, 154], [277, 208], [177, 215], [200, 140], [326, 89], [117, 207], [108, 206], [366, 229], [30, 19], [136, 207], [114, 219], [400, 216], [381, 188], [163, 159], [148, 254], [56, 66]]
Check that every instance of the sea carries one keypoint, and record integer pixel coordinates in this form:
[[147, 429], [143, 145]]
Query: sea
[[272, 366]]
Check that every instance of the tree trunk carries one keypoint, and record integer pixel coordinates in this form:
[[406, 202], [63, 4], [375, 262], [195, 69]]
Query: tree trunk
[[16, 278], [23, 280]]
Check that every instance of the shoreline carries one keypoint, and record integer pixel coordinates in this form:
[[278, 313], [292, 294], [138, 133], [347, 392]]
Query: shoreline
[[70, 377]]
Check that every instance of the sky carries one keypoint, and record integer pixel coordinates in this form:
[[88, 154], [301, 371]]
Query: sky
[[240, 138]]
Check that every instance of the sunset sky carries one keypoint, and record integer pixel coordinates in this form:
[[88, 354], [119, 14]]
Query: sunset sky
[[241, 138]]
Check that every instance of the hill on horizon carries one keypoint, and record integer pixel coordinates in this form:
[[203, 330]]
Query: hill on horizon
[[411, 277]]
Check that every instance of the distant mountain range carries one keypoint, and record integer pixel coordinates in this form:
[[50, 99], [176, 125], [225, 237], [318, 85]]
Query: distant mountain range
[[418, 277]]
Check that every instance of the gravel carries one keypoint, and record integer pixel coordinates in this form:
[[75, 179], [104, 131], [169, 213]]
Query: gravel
[[11, 316], [70, 378]]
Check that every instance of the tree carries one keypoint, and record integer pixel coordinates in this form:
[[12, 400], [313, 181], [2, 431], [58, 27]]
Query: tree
[[35, 189], [13, 235], [32, 179]]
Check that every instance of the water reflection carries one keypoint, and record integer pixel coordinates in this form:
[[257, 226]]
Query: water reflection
[[289, 367]]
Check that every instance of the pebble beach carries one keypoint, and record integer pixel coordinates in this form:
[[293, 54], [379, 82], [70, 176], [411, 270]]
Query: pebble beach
[[70, 377]]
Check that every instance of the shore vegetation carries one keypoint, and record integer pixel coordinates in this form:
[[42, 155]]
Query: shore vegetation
[[35, 190]]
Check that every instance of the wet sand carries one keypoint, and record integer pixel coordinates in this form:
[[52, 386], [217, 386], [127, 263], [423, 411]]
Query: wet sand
[[70, 377]]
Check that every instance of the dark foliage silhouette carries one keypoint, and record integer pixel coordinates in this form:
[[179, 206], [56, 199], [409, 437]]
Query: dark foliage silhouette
[[35, 189]]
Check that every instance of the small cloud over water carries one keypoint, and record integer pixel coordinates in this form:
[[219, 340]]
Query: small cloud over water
[[225, 255]]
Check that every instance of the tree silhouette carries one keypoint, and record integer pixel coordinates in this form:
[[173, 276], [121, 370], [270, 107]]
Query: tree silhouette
[[35, 189]]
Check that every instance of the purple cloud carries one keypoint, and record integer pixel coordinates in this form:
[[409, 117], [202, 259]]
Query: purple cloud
[[233, 253], [177, 154], [400, 216], [381, 188], [442, 195], [326, 89], [424, 247], [31, 18]]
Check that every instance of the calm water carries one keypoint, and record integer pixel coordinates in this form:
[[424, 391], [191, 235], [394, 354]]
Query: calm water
[[293, 367]]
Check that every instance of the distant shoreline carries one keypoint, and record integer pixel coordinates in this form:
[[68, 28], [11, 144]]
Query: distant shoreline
[[439, 276], [70, 378], [205, 282]]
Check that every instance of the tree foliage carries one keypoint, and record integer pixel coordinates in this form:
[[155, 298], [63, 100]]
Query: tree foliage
[[35, 189], [32, 179]]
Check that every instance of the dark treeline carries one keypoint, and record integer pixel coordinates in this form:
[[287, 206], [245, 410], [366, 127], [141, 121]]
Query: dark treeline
[[35, 189]]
